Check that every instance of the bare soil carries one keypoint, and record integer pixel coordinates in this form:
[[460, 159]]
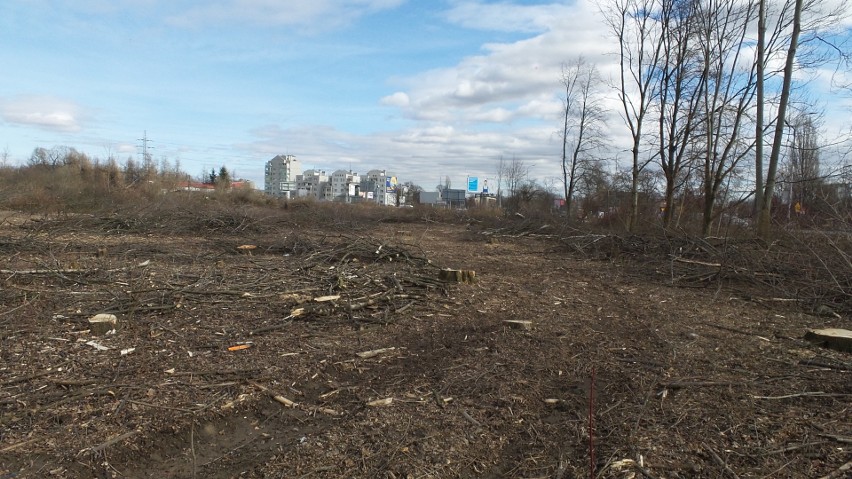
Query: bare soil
[[234, 365]]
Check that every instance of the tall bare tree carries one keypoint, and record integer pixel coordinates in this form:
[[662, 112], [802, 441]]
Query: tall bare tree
[[803, 168], [679, 85], [807, 37], [763, 220], [514, 173], [584, 117], [727, 95], [634, 25]]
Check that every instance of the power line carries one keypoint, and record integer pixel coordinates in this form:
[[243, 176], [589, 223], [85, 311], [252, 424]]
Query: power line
[[145, 155]]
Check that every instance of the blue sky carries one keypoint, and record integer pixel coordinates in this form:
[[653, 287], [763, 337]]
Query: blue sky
[[425, 89]]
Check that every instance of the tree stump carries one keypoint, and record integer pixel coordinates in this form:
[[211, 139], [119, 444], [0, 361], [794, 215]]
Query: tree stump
[[832, 338], [457, 275], [101, 324], [518, 324]]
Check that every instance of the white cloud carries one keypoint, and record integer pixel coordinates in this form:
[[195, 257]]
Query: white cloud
[[307, 15], [398, 99], [505, 16], [508, 81], [44, 112]]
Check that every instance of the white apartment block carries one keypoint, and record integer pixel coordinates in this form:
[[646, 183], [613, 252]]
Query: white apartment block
[[343, 185], [382, 184], [280, 176], [311, 184]]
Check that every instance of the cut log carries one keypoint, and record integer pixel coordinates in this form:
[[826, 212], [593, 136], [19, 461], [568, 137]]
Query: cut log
[[324, 299], [457, 275], [832, 338], [518, 324], [374, 353], [101, 324]]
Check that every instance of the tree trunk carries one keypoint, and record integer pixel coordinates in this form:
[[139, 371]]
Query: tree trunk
[[634, 192], [668, 214], [764, 220], [758, 150], [565, 176]]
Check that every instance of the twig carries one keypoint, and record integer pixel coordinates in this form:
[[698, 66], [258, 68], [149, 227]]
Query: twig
[[170, 408], [686, 384], [45, 271], [845, 440], [73, 382], [16, 446], [269, 329], [826, 364], [30, 377], [471, 419], [102, 446], [277, 397], [796, 447], [692, 261], [840, 471], [644, 471], [719, 461], [788, 396]]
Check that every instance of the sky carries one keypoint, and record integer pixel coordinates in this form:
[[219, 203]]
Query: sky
[[424, 89]]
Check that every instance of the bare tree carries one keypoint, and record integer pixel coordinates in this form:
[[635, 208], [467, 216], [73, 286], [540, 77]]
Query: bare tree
[[501, 168], [584, 118], [802, 170], [514, 173], [634, 24], [807, 46], [727, 94], [678, 95]]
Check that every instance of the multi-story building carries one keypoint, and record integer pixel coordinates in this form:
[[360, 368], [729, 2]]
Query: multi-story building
[[380, 186], [344, 185], [311, 184], [280, 176]]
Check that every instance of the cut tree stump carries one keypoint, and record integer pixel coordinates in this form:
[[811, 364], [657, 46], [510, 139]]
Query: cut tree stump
[[518, 324], [832, 338], [101, 324], [457, 275]]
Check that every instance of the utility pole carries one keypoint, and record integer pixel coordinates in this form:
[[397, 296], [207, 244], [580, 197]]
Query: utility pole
[[145, 155]]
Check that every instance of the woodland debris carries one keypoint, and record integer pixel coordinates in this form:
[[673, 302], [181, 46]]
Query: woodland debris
[[101, 324], [832, 338], [110, 442], [518, 324], [97, 345], [457, 275], [380, 402], [374, 353], [247, 249], [324, 299]]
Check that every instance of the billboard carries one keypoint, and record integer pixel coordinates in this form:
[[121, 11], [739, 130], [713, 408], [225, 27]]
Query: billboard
[[390, 183], [472, 184]]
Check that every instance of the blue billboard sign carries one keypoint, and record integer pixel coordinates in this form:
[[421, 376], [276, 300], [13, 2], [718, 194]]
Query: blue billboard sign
[[472, 184]]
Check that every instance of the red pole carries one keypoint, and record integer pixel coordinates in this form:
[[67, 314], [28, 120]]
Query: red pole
[[592, 426]]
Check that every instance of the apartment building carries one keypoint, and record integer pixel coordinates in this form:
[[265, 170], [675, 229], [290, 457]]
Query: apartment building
[[280, 176], [311, 184], [380, 186], [345, 185]]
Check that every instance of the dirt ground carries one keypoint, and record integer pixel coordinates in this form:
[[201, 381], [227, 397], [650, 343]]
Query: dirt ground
[[335, 352]]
